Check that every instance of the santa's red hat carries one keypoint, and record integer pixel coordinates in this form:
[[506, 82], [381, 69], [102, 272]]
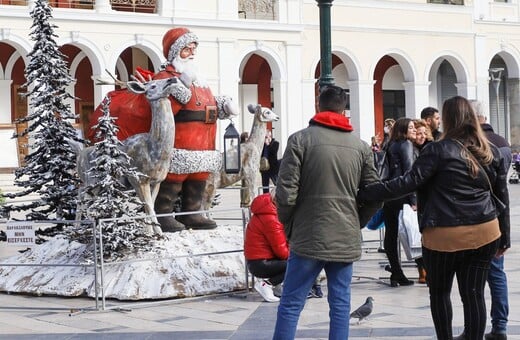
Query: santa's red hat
[[175, 40]]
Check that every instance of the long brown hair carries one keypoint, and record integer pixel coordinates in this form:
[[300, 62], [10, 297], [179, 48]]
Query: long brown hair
[[400, 129], [460, 122]]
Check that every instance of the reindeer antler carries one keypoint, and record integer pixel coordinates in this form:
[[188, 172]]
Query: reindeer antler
[[116, 81]]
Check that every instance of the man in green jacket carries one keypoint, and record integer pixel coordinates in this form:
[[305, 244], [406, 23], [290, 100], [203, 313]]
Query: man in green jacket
[[322, 168]]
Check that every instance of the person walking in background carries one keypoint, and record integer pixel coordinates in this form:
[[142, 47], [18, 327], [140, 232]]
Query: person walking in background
[[320, 173], [432, 117], [244, 192], [270, 151], [375, 144], [400, 153], [460, 170], [389, 123], [265, 246], [497, 278]]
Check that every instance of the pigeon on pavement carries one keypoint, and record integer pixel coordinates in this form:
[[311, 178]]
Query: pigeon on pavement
[[364, 310]]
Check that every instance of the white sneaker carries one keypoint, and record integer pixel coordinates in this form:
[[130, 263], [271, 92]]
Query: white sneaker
[[266, 290]]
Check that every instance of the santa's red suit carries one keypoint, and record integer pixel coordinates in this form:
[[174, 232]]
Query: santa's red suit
[[195, 124]]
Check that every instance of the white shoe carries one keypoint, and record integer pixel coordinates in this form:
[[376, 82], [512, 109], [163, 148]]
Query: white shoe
[[266, 290]]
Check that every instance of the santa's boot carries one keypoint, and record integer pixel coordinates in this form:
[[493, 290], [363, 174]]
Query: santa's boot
[[192, 192], [165, 204]]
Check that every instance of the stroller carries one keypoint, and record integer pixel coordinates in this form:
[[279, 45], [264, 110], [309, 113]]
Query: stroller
[[513, 178]]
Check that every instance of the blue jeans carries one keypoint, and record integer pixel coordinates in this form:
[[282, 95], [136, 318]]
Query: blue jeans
[[497, 281], [299, 277]]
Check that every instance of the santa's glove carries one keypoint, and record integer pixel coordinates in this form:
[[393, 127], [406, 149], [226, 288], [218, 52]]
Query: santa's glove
[[181, 92], [226, 107]]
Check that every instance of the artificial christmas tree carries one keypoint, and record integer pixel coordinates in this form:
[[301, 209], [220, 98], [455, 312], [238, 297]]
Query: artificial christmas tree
[[50, 167]]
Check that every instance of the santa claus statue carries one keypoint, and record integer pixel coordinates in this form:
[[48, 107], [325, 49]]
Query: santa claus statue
[[196, 112]]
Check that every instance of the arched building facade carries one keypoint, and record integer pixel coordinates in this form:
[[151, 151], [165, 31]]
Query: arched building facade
[[268, 52]]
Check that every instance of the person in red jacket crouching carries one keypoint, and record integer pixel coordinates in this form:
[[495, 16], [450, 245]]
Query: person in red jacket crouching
[[265, 246], [266, 249]]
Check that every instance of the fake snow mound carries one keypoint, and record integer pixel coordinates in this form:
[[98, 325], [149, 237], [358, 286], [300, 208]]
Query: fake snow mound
[[174, 268]]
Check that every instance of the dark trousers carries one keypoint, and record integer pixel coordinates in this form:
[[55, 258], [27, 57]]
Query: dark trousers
[[471, 268], [274, 269], [266, 176], [391, 217]]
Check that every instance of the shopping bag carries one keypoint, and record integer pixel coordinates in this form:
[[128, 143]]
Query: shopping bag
[[377, 221], [409, 234]]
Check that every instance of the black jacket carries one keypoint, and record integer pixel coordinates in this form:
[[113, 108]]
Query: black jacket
[[271, 152], [401, 158], [446, 193]]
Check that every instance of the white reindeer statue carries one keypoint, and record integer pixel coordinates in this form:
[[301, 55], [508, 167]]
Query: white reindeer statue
[[150, 153], [250, 153]]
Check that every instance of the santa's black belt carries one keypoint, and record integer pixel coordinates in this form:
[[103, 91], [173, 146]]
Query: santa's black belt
[[208, 116]]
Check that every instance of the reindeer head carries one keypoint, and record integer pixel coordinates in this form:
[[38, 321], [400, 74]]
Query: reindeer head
[[155, 89], [263, 114]]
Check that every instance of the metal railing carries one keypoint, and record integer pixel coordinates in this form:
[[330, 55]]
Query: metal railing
[[93, 266], [99, 265]]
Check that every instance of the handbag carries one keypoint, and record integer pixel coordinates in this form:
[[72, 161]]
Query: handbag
[[382, 165], [409, 234], [264, 164]]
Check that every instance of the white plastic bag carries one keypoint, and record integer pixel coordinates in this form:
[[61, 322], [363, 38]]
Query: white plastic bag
[[409, 234]]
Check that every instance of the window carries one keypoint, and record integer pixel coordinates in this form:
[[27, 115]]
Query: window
[[393, 104]]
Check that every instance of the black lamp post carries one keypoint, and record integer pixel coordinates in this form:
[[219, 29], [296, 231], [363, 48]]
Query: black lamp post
[[231, 150], [325, 43]]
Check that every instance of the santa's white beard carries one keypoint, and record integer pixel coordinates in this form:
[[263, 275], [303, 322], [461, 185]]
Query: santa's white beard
[[188, 66]]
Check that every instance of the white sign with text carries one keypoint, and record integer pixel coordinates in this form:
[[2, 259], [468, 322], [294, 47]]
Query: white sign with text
[[20, 233]]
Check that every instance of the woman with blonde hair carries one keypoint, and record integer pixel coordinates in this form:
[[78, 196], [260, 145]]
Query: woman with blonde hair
[[462, 202]]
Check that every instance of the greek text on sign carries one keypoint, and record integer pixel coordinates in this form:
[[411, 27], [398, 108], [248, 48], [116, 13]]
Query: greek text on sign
[[20, 233]]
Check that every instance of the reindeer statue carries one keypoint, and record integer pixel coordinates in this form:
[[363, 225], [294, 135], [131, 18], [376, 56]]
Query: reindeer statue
[[150, 153], [249, 159]]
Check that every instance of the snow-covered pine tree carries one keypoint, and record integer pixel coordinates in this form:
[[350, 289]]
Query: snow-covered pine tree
[[49, 169], [107, 197]]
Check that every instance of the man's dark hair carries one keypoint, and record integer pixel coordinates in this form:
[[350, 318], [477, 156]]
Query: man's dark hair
[[333, 98], [428, 112]]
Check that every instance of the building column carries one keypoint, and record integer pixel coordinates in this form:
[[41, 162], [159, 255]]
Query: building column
[[227, 10], [513, 92], [280, 107], [362, 108], [308, 100], [294, 86], [417, 97], [103, 6], [100, 91], [5, 99], [165, 8], [482, 70]]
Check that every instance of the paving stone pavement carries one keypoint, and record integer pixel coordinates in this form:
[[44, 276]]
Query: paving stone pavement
[[399, 313]]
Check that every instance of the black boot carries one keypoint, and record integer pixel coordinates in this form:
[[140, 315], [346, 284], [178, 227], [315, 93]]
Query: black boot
[[192, 192], [399, 279], [165, 203]]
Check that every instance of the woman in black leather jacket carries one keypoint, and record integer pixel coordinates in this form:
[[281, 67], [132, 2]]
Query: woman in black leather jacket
[[463, 226], [400, 155]]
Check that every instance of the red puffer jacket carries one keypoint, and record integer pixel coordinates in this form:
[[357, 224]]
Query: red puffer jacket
[[265, 237]]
